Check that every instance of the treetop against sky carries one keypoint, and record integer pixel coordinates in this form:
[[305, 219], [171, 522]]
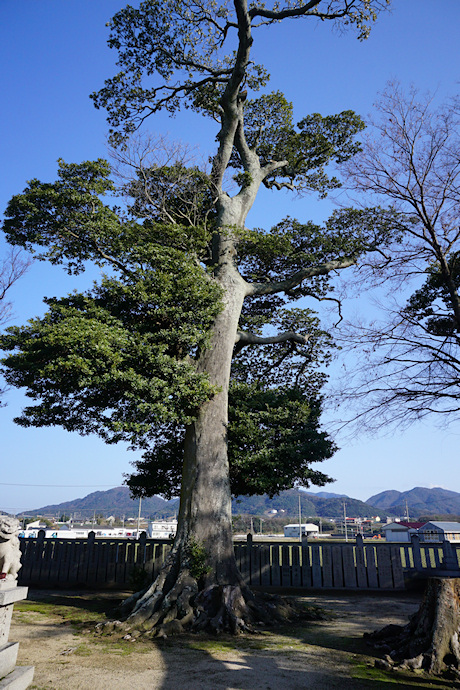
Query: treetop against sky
[[318, 69]]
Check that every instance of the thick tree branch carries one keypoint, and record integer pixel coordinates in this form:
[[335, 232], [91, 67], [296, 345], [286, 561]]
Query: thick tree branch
[[245, 338], [299, 276], [308, 8]]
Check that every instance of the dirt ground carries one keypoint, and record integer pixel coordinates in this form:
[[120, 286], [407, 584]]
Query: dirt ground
[[56, 635]]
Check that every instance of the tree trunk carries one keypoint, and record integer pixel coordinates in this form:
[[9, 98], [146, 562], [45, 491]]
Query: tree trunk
[[199, 585], [430, 641]]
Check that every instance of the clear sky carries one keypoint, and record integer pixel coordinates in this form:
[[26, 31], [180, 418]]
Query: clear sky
[[52, 56]]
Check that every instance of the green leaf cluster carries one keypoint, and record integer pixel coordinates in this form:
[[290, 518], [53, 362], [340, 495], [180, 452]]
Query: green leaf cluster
[[431, 305], [305, 149], [173, 53], [116, 361], [273, 438]]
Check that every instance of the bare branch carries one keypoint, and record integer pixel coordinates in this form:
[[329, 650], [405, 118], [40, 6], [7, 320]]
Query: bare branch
[[12, 267]]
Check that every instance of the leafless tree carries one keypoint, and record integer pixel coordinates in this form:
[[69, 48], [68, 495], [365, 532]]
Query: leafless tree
[[12, 266], [410, 166]]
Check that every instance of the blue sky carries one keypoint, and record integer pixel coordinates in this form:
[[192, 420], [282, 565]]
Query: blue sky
[[52, 56]]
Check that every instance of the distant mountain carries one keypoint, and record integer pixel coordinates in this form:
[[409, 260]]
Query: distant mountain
[[327, 494], [420, 501], [117, 502], [312, 505], [325, 504], [112, 502]]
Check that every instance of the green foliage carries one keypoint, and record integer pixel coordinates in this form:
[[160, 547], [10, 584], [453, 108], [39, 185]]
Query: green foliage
[[274, 437], [162, 43], [306, 149], [291, 245], [431, 305], [174, 54], [67, 217], [114, 361], [117, 360], [198, 559]]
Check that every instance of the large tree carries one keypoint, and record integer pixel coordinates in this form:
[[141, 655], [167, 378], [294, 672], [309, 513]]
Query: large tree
[[191, 289]]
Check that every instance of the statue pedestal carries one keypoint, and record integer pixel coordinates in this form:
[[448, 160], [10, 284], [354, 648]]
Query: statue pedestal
[[16, 678]]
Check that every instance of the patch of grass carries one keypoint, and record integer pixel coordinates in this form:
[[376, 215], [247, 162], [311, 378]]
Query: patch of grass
[[211, 646], [365, 670], [123, 647], [75, 610], [263, 641]]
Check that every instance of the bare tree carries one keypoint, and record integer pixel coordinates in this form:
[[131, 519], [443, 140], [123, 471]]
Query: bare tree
[[410, 165], [12, 266]]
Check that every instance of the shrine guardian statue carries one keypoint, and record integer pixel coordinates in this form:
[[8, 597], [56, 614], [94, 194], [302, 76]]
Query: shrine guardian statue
[[10, 554]]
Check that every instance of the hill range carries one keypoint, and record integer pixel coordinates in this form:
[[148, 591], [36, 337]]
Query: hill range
[[420, 501]]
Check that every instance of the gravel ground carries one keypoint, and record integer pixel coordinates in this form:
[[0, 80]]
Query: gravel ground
[[55, 631]]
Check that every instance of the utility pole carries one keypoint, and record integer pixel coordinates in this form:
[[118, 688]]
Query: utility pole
[[300, 521], [139, 518], [345, 520]]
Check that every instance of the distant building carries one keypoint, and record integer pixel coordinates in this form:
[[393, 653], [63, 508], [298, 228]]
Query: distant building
[[307, 529], [401, 531], [162, 529], [440, 531]]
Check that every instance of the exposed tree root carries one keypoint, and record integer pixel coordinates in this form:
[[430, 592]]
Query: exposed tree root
[[430, 641], [166, 608]]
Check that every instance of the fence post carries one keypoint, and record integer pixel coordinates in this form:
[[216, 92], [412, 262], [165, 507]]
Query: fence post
[[450, 556], [361, 572], [306, 569], [416, 555], [249, 540]]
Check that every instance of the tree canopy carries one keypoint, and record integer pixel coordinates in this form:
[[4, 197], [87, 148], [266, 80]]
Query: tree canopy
[[194, 346], [120, 359]]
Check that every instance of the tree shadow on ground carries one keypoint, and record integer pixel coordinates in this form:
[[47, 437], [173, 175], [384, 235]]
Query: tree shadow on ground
[[226, 664], [310, 655]]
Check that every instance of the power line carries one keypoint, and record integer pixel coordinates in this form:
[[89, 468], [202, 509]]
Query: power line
[[66, 486]]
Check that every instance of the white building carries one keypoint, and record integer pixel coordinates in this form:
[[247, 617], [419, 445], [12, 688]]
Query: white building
[[307, 529], [162, 529]]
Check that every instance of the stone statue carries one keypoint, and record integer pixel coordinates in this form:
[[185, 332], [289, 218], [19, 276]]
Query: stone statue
[[10, 554]]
